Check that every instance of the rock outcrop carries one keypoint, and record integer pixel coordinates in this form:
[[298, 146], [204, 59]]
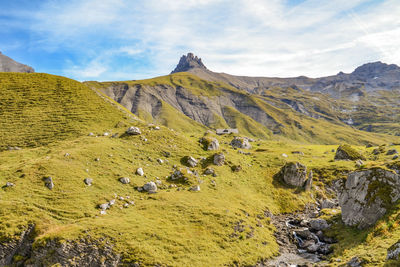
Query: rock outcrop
[[189, 62], [9, 65], [367, 195], [346, 152], [294, 174]]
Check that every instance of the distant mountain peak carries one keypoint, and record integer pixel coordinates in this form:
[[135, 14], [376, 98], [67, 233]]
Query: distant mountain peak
[[374, 69], [9, 65], [188, 62]]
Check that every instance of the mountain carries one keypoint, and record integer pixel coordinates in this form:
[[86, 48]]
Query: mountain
[[9, 65], [84, 182], [299, 108]]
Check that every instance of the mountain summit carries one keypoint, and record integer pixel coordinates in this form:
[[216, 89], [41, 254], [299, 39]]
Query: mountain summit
[[189, 62], [9, 65]]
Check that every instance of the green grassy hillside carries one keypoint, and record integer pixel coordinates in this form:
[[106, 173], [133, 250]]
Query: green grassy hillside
[[37, 109]]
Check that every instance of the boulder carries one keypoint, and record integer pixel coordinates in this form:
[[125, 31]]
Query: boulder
[[219, 159], [133, 131], [346, 152], [88, 181], [294, 174], [124, 180], [241, 142], [209, 171], [140, 172], [209, 143], [367, 195], [8, 184], [48, 181], [150, 187], [393, 253], [190, 161], [318, 224]]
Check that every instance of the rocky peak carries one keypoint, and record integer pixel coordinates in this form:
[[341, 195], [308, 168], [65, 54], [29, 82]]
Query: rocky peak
[[188, 62], [9, 65], [374, 69]]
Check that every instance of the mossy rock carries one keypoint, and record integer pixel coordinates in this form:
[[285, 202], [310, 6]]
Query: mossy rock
[[346, 152]]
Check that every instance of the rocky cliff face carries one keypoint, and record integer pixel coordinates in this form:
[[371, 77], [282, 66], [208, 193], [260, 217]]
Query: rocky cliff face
[[188, 62], [9, 65]]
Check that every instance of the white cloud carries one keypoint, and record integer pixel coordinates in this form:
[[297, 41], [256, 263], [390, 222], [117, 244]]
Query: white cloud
[[248, 37]]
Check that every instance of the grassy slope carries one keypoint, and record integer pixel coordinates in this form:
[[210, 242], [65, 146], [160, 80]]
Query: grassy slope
[[174, 227]]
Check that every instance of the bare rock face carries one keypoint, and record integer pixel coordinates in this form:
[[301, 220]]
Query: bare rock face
[[294, 174], [188, 62], [9, 65], [393, 252], [366, 196]]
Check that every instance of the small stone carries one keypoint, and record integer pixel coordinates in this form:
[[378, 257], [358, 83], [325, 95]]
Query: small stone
[[140, 172], [160, 161], [121, 198], [106, 134], [133, 131], [158, 182], [318, 224], [395, 157], [284, 155], [126, 205], [359, 163], [192, 162], [66, 155], [104, 206], [392, 152], [97, 159], [49, 182], [111, 202], [88, 181], [103, 212], [150, 187], [209, 171], [219, 159], [91, 134], [195, 188], [8, 184], [124, 180]]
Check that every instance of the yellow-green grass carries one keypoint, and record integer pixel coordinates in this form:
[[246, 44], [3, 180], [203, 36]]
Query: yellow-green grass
[[37, 109], [172, 227]]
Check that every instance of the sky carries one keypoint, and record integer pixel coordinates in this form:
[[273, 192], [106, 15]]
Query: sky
[[110, 40]]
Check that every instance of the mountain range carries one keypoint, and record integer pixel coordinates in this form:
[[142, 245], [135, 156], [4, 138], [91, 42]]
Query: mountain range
[[298, 108]]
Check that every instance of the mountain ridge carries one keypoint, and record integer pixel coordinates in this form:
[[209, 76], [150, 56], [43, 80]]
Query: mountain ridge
[[7, 64]]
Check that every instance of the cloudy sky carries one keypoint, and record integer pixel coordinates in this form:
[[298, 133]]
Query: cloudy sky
[[136, 39]]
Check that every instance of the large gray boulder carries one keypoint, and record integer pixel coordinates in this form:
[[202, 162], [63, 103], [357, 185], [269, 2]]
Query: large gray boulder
[[241, 142], [367, 195], [294, 174], [150, 187]]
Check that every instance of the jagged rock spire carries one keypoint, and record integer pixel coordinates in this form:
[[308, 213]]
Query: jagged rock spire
[[189, 62]]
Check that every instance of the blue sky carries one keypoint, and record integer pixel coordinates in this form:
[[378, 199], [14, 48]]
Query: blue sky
[[132, 39]]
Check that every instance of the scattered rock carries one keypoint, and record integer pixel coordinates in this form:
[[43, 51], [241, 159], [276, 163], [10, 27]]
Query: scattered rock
[[190, 161], [318, 224], [104, 206], [294, 174], [8, 184], [284, 155], [111, 202], [195, 188], [346, 152], [97, 159], [91, 134], [309, 181], [133, 131], [48, 181], [236, 168], [125, 180], [88, 181], [392, 152], [140, 172], [359, 163], [66, 155], [106, 134], [367, 195], [209, 143], [209, 171], [150, 187], [298, 153], [328, 204], [240, 142], [355, 262], [395, 157], [160, 161], [219, 159], [393, 253]]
